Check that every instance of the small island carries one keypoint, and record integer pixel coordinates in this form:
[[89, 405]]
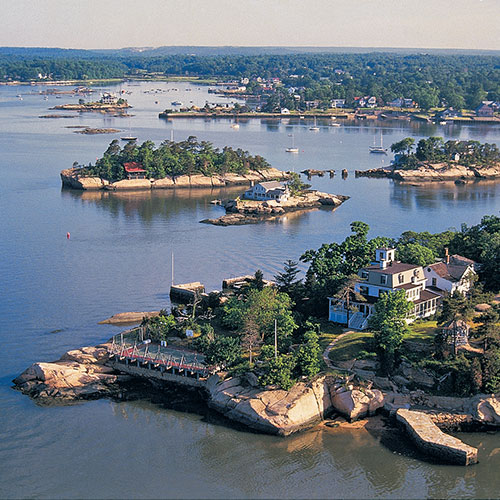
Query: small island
[[171, 165], [270, 200], [436, 160], [108, 103]]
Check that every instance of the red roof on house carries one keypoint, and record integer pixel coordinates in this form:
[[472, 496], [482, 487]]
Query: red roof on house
[[133, 167]]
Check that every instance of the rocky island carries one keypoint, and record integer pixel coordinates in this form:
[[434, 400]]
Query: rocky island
[[186, 164], [243, 211], [435, 160]]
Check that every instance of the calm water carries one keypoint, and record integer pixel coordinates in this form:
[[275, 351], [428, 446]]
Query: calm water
[[54, 291]]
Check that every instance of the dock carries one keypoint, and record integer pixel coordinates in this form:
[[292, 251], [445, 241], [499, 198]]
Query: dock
[[431, 440], [186, 291]]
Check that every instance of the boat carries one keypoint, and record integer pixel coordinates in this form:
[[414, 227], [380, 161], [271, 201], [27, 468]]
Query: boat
[[235, 126], [314, 128], [334, 124], [292, 149], [378, 149], [176, 103], [128, 138]]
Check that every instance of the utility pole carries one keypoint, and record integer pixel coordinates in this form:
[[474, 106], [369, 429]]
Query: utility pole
[[275, 339]]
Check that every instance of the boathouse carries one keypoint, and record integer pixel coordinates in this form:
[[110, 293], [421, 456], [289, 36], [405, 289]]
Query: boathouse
[[271, 190]]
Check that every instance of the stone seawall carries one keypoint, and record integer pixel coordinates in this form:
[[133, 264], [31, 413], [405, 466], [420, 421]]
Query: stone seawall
[[432, 441]]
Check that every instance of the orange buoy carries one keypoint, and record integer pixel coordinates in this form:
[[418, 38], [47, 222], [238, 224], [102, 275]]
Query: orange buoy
[[68, 236]]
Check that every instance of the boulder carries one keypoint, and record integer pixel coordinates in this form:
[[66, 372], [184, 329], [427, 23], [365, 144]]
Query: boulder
[[217, 182], [79, 374], [182, 181], [71, 178], [354, 404], [200, 181], [273, 411], [165, 183], [130, 184], [486, 409], [417, 376]]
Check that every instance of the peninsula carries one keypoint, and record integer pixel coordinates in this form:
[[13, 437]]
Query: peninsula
[[172, 165], [422, 361]]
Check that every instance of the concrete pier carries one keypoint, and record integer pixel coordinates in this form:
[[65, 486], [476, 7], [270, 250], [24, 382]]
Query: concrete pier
[[431, 440]]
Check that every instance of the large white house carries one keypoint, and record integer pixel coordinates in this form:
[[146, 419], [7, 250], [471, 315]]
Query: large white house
[[454, 274], [271, 190], [384, 275]]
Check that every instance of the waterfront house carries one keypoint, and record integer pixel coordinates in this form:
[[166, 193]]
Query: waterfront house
[[134, 170], [453, 274], [448, 113], [402, 102], [384, 275], [108, 98], [271, 190], [485, 109]]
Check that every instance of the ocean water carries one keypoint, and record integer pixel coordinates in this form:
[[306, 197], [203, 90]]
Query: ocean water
[[53, 291]]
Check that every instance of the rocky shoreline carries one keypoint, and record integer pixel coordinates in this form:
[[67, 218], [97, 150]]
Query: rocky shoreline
[[435, 172], [239, 212], [74, 178], [89, 373]]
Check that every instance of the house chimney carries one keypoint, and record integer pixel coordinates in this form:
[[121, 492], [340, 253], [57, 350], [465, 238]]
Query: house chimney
[[446, 255]]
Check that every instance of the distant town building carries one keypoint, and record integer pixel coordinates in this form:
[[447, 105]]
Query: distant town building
[[365, 102], [285, 111], [402, 102], [271, 190], [338, 103], [485, 109]]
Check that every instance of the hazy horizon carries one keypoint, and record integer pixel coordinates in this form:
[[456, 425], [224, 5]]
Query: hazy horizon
[[377, 24]]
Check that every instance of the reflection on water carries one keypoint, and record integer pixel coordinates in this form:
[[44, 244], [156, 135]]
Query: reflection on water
[[442, 195]]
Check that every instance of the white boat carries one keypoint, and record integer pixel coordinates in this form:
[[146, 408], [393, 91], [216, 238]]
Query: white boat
[[378, 149], [236, 126], [292, 149], [314, 128], [334, 124]]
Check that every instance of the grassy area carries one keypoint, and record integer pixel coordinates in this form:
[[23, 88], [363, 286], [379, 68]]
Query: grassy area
[[328, 332], [350, 346], [422, 331]]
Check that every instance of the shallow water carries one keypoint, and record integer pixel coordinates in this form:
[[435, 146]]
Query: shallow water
[[54, 291]]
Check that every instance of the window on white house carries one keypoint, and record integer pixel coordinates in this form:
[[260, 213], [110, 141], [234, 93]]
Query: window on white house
[[401, 278]]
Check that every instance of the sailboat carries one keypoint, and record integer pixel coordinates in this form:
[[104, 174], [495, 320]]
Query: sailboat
[[128, 137], [314, 128], [378, 149], [293, 149]]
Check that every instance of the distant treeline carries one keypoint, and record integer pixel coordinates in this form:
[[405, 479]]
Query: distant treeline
[[172, 159], [459, 81], [436, 150]]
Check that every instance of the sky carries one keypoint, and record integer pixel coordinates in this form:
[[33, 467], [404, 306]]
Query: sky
[[94, 24]]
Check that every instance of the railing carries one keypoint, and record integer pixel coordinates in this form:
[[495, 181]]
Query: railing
[[157, 358]]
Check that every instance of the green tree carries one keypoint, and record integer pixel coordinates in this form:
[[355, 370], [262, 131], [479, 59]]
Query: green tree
[[223, 352], [279, 372], [389, 325], [414, 253], [308, 355]]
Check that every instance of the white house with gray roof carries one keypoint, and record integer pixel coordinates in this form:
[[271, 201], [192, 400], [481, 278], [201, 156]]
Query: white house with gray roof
[[385, 275], [271, 190]]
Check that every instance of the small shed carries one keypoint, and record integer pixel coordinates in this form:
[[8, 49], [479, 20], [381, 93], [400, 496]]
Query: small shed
[[134, 170]]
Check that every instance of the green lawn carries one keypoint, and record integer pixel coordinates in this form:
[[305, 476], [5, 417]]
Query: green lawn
[[350, 346], [422, 331], [328, 332]]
